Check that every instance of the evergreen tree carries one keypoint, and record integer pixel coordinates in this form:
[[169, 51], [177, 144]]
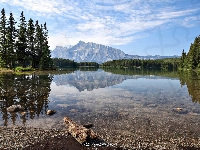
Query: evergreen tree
[[22, 42], [31, 42], [45, 61], [38, 44], [3, 39], [11, 37], [193, 57], [197, 47], [183, 57], [26, 45]]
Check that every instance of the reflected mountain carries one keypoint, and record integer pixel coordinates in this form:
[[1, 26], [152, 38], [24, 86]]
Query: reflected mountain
[[89, 80], [29, 91]]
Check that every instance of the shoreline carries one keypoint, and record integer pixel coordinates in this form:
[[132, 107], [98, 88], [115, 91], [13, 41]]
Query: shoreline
[[27, 138]]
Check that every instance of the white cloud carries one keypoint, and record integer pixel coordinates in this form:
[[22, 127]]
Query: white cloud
[[189, 21], [174, 14], [108, 22], [92, 25]]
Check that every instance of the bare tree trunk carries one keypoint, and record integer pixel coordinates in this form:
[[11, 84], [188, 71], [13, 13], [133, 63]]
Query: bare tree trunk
[[79, 132]]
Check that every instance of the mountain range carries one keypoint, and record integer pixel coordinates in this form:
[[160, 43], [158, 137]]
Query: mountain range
[[92, 52]]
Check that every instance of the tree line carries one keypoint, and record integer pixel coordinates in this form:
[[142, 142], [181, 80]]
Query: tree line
[[167, 64], [65, 63], [24, 43]]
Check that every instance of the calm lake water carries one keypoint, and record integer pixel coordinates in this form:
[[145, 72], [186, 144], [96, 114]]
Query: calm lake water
[[123, 105]]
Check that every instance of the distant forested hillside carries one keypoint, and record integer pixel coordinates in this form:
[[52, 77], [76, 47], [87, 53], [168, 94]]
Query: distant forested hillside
[[168, 63]]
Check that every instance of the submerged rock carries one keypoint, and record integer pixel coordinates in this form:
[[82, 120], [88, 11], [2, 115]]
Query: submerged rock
[[151, 105], [51, 112], [15, 108], [180, 110], [73, 110], [23, 113]]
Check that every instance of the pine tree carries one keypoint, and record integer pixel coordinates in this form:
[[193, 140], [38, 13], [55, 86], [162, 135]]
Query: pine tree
[[22, 42], [183, 57], [197, 46], [31, 42], [3, 39], [38, 45], [192, 62], [192, 59], [45, 61], [11, 37]]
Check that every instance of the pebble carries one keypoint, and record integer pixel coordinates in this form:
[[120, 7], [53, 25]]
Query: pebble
[[9, 140], [51, 112], [73, 110], [151, 105], [23, 113]]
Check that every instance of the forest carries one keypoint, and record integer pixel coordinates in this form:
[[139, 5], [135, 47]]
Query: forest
[[188, 61], [24, 43], [66, 63], [166, 64]]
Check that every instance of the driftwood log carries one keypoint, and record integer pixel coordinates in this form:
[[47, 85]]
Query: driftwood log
[[79, 132]]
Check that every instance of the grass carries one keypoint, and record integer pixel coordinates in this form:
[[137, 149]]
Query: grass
[[22, 69]]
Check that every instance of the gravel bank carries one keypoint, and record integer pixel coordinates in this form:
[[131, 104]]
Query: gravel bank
[[28, 138]]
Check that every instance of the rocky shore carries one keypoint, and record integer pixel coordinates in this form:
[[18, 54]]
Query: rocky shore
[[28, 138]]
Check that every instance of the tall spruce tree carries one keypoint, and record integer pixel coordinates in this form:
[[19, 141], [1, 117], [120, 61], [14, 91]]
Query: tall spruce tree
[[192, 59], [31, 42], [3, 48], [22, 41], [45, 61], [11, 37], [183, 57], [197, 47], [38, 44]]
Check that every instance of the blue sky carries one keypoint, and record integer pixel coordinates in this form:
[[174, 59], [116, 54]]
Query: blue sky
[[139, 27]]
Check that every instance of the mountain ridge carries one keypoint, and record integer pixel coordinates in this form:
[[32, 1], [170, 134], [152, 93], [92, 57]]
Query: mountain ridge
[[92, 52]]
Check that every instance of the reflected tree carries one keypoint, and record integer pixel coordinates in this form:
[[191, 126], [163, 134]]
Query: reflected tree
[[192, 81], [29, 91], [7, 92]]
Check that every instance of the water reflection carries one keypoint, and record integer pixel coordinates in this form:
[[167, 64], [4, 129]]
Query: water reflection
[[143, 72], [33, 91], [192, 81], [90, 80], [30, 91]]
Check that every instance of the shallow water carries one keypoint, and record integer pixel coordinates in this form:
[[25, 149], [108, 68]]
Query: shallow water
[[124, 109]]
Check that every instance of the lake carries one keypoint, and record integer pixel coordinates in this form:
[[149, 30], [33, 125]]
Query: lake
[[126, 107]]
